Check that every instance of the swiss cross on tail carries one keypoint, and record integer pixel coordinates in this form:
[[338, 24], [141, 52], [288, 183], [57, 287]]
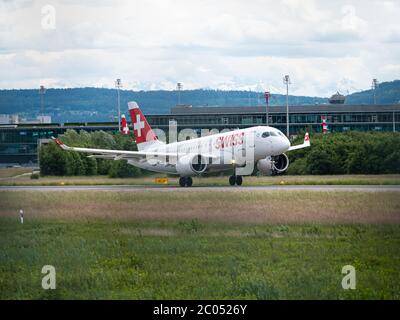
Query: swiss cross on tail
[[144, 135], [124, 125], [138, 125]]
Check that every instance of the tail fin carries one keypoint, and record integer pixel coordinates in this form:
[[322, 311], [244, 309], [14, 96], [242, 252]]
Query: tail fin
[[307, 140], [144, 134], [124, 125]]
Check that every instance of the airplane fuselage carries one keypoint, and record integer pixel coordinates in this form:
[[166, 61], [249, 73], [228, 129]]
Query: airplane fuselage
[[224, 150]]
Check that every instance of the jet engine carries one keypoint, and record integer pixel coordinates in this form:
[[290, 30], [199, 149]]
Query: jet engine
[[273, 164], [190, 165]]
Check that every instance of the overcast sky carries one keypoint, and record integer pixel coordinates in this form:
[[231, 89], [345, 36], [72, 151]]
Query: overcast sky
[[227, 44]]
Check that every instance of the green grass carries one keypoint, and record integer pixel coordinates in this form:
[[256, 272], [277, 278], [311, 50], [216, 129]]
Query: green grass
[[190, 259], [200, 244], [390, 179]]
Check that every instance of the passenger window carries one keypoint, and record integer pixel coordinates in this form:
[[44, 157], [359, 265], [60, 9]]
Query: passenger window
[[265, 134]]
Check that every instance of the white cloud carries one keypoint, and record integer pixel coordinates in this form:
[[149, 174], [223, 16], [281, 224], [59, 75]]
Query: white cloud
[[323, 45]]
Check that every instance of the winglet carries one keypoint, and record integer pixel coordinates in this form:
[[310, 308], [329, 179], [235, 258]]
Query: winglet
[[60, 143], [305, 144]]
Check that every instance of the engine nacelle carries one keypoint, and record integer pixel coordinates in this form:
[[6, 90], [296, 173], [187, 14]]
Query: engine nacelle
[[190, 165], [273, 164], [265, 166]]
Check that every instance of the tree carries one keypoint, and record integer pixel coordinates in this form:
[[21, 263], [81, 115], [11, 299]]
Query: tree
[[52, 160], [321, 162], [103, 166], [391, 163], [334, 153], [74, 166], [91, 166], [121, 169]]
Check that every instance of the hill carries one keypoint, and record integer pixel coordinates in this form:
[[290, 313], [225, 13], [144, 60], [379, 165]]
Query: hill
[[386, 93], [99, 104]]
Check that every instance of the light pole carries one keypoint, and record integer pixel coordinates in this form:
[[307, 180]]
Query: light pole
[[267, 94], [286, 80], [179, 87], [118, 85], [394, 122], [374, 86], [42, 91]]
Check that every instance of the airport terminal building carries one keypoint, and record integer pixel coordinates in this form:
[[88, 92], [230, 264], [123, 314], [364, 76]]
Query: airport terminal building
[[19, 142]]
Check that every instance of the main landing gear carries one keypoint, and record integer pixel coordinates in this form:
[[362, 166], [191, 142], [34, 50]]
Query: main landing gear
[[235, 180], [185, 181], [188, 181]]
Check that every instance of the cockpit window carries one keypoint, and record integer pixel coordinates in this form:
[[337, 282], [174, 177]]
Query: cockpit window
[[267, 134]]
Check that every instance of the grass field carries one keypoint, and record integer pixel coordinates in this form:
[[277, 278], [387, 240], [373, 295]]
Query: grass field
[[238, 206], [194, 260], [390, 179], [200, 245]]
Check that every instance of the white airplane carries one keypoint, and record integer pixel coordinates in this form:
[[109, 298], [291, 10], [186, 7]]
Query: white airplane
[[242, 149]]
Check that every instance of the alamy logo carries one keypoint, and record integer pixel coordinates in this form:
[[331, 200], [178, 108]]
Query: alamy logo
[[48, 17], [49, 280], [349, 280]]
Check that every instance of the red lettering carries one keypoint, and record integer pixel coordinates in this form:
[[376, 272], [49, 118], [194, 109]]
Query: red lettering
[[229, 141]]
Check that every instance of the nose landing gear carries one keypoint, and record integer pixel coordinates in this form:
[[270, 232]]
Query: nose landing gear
[[185, 181], [238, 180]]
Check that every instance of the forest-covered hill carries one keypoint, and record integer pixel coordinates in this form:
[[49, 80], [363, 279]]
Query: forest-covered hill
[[98, 104]]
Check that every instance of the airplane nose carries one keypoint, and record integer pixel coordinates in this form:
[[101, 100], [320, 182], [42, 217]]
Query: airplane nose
[[287, 143]]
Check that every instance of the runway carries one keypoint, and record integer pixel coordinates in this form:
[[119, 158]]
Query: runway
[[169, 188]]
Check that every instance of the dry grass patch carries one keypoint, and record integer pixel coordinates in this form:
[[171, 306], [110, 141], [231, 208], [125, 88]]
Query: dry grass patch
[[12, 172], [237, 207]]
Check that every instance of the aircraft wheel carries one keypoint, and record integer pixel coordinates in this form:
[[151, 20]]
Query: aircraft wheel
[[182, 181], [239, 180], [189, 182], [232, 180]]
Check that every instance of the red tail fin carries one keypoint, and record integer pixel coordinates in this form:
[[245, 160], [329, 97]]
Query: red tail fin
[[124, 125], [144, 134]]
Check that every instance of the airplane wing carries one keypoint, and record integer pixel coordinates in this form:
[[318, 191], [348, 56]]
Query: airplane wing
[[305, 144], [119, 154]]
